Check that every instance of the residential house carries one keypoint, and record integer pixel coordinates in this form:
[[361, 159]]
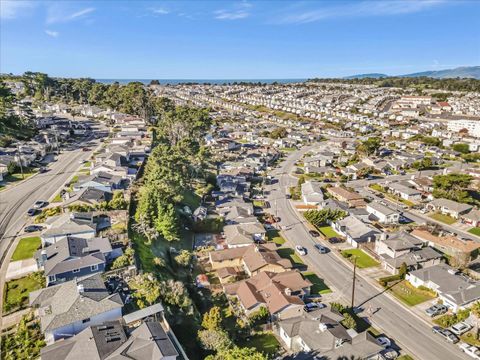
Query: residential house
[[101, 181], [243, 234], [252, 259], [403, 248], [449, 207], [321, 334], [112, 341], [405, 192], [68, 308], [73, 257], [87, 196], [472, 218], [455, 291], [382, 213], [450, 245], [74, 224], [281, 293], [353, 199], [312, 193], [355, 230]]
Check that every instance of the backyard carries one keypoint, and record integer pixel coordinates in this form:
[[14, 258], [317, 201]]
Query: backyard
[[443, 218], [409, 294], [17, 291], [265, 342], [363, 260], [319, 286], [26, 248]]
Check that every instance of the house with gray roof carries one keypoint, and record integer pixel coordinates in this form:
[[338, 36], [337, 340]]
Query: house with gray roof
[[312, 193], [74, 257], [320, 333], [68, 308], [59, 227], [449, 207], [382, 213], [456, 291], [112, 341], [355, 230]]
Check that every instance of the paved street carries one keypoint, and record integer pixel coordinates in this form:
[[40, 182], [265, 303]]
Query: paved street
[[17, 199], [409, 331]]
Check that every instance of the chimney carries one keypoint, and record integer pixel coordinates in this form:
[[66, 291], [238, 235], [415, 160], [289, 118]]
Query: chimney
[[322, 326], [80, 289], [288, 291]]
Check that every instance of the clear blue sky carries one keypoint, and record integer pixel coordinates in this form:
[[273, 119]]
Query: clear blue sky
[[235, 40]]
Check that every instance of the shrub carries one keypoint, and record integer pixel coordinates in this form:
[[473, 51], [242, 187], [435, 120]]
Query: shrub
[[387, 279]]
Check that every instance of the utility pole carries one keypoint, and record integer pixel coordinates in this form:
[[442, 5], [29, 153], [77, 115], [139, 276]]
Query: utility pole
[[20, 161], [353, 284]]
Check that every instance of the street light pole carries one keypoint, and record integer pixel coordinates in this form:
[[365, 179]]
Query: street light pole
[[354, 276], [20, 161]]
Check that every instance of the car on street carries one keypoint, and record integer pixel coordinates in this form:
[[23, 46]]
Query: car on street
[[313, 233], [42, 170], [287, 196], [32, 212], [301, 250], [384, 342], [32, 228], [82, 161], [460, 328], [313, 306], [446, 334], [85, 149], [334, 240], [470, 350], [40, 204], [436, 310], [321, 249]]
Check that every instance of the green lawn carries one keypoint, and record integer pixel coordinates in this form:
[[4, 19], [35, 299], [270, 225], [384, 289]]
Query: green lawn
[[274, 235], [475, 231], [363, 260], [409, 294], [264, 342], [17, 291], [377, 187], [470, 338], [27, 172], [405, 357], [443, 218], [26, 248], [328, 232], [288, 253], [319, 286]]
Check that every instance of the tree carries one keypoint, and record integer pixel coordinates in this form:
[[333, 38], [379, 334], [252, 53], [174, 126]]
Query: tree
[[25, 342], [183, 258], [237, 353], [402, 271], [370, 146], [278, 133], [461, 148], [348, 321], [212, 320], [147, 289], [166, 223], [174, 293], [324, 216], [259, 316], [452, 186], [126, 259], [118, 201], [214, 339]]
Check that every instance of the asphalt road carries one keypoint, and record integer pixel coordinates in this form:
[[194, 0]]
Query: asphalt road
[[17, 199], [408, 331]]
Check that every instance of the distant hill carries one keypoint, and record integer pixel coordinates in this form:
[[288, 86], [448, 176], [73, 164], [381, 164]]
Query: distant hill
[[363, 76], [461, 72]]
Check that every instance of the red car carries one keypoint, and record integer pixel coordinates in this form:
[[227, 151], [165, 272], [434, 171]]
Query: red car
[[85, 149]]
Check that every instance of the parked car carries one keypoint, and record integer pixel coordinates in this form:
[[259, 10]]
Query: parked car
[[384, 342], [85, 149], [276, 219], [321, 249], [436, 310], [287, 196], [460, 328], [42, 170], [313, 306], [32, 212], [32, 228], [446, 334], [301, 250], [40, 204], [470, 350], [334, 240], [313, 233]]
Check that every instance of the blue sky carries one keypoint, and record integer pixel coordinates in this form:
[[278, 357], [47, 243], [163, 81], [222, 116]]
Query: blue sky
[[236, 40]]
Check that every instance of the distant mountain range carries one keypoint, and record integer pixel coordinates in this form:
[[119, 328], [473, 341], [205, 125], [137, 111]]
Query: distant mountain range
[[461, 72]]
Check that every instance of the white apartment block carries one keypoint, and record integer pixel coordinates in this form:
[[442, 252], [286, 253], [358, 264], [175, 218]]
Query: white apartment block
[[473, 126]]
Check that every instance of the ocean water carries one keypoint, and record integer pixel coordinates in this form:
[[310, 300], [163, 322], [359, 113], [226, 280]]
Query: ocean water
[[200, 81]]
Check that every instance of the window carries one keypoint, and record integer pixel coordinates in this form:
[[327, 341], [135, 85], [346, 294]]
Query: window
[[75, 271], [94, 268], [85, 320], [52, 278]]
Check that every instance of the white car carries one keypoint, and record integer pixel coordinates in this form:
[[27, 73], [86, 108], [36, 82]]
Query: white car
[[301, 250], [470, 350], [460, 328], [384, 342]]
